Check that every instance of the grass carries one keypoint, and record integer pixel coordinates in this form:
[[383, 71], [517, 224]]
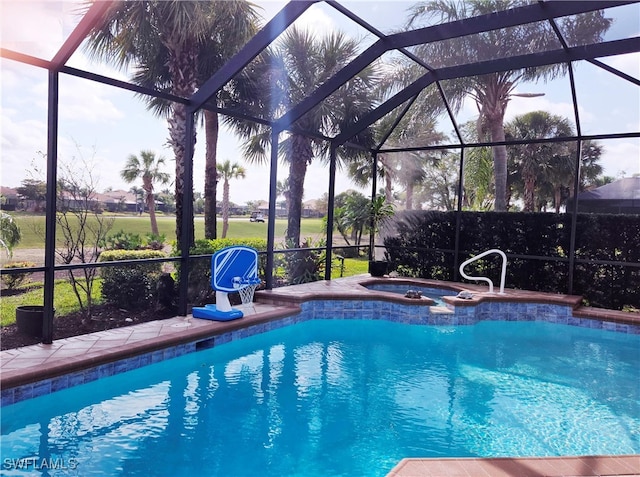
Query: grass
[[64, 300], [32, 228], [352, 266]]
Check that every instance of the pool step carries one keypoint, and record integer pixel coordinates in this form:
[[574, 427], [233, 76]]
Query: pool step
[[441, 310]]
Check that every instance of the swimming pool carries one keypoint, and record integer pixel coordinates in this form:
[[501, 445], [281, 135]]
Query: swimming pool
[[343, 397]]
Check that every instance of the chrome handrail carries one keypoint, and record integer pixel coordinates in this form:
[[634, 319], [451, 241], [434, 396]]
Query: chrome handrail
[[485, 279]]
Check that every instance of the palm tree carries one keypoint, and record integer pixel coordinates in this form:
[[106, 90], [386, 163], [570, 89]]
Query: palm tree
[[174, 44], [492, 92], [478, 190], [232, 24], [138, 192], [293, 68], [147, 167], [535, 160], [228, 171], [547, 170]]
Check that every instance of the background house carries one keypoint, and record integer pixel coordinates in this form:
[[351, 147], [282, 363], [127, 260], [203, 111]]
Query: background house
[[8, 198], [618, 197]]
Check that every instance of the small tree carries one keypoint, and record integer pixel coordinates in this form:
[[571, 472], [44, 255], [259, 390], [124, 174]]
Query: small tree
[[351, 216], [83, 227], [228, 171], [147, 167], [33, 191], [9, 233], [380, 211]]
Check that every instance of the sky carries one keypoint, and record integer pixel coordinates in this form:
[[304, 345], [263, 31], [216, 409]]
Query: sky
[[102, 126]]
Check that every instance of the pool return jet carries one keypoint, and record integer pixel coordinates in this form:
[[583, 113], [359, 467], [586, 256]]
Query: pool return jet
[[233, 269]]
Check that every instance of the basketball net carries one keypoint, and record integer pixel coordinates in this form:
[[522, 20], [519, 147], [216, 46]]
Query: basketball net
[[246, 293], [246, 288]]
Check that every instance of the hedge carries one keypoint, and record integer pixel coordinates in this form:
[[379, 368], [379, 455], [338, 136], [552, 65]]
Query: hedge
[[537, 246], [131, 285]]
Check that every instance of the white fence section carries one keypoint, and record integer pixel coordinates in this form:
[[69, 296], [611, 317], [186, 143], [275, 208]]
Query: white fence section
[[485, 279]]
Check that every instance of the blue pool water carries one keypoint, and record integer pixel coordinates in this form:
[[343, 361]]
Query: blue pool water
[[341, 398]]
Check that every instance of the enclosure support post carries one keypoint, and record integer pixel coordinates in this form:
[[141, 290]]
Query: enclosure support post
[[456, 251], [576, 182], [271, 220], [331, 192], [374, 187], [187, 211], [50, 222]]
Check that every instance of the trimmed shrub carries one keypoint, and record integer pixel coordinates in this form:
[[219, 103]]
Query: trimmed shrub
[[122, 240], [14, 280], [130, 285], [538, 246]]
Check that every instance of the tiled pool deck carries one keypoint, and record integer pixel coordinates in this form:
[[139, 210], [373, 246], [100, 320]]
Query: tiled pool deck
[[41, 369]]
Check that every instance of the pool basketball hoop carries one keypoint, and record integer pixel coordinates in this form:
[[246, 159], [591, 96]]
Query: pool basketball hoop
[[233, 269]]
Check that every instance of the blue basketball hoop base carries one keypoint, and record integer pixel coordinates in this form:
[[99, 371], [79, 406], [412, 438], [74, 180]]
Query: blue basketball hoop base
[[210, 312]]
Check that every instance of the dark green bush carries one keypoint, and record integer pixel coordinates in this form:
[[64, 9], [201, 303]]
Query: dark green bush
[[16, 279], [122, 240], [130, 285], [305, 266], [538, 249], [128, 288]]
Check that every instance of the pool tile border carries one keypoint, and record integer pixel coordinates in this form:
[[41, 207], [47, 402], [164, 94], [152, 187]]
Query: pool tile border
[[354, 301]]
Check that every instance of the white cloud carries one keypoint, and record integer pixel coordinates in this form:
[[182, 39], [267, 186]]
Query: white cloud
[[80, 100], [629, 64], [21, 139], [621, 157], [316, 21], [37, 28]]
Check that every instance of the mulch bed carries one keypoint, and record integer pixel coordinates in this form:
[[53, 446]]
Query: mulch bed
[[103, 317]]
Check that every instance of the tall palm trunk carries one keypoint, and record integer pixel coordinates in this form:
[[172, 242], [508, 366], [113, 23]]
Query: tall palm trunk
[[499, 166], [388, 188], [557, 198], [529, 177], [301, 155], [409, 198], [212, 128], [181, 64], [494, 96], [225, 208], [151, 204]]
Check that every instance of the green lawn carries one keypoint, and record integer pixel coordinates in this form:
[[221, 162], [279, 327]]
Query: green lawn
[[64, 300], [32, 228]]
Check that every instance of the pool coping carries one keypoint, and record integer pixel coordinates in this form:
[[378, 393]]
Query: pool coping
[[574, 466], [57, 359], [355, 288]]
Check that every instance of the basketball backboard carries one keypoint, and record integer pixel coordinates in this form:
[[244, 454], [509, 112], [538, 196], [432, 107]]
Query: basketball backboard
[[233, 268]]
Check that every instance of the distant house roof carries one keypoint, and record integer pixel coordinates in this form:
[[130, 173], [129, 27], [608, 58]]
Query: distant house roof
[[115, 196], [621, 196], [8, 192]]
